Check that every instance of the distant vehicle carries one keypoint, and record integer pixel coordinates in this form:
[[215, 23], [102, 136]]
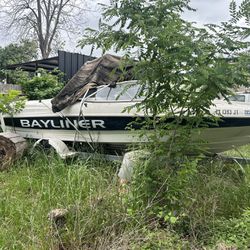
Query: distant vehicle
[[99, 117], [240, 97]]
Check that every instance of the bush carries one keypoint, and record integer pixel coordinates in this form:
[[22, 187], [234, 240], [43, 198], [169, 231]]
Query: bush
[[16, 76], [12, 102], [42, 86], [191, 197]]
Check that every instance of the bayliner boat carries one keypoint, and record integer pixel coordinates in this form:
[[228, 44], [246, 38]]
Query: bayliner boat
[[99, 117]]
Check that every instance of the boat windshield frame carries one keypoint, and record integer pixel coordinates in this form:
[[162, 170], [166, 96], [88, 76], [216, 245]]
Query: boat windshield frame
[[89, 98]]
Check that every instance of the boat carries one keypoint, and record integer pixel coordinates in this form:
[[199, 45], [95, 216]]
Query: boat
[[99, 117]]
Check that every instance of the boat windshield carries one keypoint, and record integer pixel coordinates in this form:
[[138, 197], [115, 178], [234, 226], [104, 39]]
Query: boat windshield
[[121, 92]]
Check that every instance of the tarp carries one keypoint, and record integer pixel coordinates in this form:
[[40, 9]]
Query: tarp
[[104, 70]]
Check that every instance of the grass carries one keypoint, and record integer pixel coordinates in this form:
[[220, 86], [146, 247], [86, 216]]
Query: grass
[[32, 188], [243, 151], [212, 202]]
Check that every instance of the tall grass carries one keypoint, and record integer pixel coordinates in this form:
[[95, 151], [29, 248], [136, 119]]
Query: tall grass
[[197, 200], [209, 201], [42, 182]]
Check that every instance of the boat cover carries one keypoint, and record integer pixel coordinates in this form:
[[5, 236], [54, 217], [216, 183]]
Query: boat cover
[[107, 69]]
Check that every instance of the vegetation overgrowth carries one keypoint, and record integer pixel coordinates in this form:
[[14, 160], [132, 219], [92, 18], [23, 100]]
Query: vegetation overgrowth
[[42, 85], [174, 201], [12, 102], [39, 85], [206, 205], [182, 70], [24, 51]]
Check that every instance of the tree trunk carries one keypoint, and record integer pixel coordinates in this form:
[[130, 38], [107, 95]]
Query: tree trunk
[[12, 147]]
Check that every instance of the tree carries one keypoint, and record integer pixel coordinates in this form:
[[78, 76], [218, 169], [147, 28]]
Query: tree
[[42, 19], [14, 53], [238, 14], [183, 68]]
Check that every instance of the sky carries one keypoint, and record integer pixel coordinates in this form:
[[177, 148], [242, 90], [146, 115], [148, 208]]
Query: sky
[[208, 11]]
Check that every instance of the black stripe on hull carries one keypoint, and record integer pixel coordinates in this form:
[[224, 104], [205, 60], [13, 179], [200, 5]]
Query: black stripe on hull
[[91, 123], [102, 123]]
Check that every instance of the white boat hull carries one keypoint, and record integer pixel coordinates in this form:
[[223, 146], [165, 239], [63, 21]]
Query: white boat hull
[[104, 122], [219, 139]]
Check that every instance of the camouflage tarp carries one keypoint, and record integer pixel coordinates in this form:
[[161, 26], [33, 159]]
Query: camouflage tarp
[[101, 71]]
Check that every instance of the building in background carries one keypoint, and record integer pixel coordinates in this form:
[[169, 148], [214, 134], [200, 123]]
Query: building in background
[[68, 63]]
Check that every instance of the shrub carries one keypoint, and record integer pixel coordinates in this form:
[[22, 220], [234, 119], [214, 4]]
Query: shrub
[[42, 86], [12, 102], [17, 76], [191, 197]]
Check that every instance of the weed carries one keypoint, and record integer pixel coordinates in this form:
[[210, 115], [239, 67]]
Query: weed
[[42, 182], [198, 203]]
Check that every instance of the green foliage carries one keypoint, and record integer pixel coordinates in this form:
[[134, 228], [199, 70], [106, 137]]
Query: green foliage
[[15, 53], [16, 76], [39, 85], [242, 12], [160, 240], [160, 188], [43, 85], [234, 232], [12, 102], [182, 68], [208, 204], [193, 198], [42, 182], [239, 14], [97, 217], [171, 197]]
